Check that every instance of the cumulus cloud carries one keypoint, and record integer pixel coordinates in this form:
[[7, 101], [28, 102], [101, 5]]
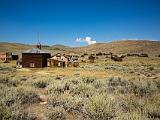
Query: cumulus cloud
[[88, 40]]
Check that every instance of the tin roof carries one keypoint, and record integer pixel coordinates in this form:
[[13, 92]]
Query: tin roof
[[34, 50]]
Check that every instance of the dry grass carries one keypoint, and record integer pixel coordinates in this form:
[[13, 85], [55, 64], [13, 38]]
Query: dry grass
[[102, 90]]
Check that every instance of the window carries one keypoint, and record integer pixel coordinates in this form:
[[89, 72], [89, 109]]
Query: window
[[32, 65]]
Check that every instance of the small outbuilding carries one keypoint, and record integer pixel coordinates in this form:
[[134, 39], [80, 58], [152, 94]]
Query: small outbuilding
[[35, 58], [91, 58]]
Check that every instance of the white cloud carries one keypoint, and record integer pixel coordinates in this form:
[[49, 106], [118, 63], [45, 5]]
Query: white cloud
[[88, 40]]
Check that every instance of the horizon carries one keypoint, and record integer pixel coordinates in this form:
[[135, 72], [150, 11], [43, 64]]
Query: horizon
[[50, 45], [78, 23]]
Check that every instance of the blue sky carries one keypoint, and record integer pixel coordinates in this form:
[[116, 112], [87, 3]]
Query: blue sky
[[62, 21]]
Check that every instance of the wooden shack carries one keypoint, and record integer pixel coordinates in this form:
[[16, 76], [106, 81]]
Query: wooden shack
[[6, 56], [91, 58], [58, 60], [35, 58]]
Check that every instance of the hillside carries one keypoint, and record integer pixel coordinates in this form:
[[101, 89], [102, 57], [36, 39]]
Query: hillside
[[13, 47], [128, 46]]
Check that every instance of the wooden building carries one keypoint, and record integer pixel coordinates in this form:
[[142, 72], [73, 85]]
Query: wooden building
[[6, 56], [58, 60], [91, 58], [35, 58]]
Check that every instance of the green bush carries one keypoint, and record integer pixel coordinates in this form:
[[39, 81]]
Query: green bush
[[57, 113], [151, 68], [130, 116], [69, 103], [24, 116], [8, 81], [14, 95], [88, 79], [5, 113], [143, 88], [100, 107], [152, 107], [83, 90], [98, 84], [27, 97], [57, 88], [40, 84], [129, 104]]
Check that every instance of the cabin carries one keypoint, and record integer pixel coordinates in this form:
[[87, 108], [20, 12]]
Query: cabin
[[58, 60], [35, 58], [6, 56], [91, 59]]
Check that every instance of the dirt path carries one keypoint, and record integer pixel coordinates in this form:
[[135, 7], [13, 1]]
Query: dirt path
[[39, 109]]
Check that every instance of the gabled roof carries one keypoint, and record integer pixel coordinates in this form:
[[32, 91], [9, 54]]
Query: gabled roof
[[34, 50]]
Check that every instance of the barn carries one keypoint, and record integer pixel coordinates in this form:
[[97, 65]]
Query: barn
[[35, 58]]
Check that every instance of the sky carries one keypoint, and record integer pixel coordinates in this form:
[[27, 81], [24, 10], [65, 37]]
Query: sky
[[78, 22]]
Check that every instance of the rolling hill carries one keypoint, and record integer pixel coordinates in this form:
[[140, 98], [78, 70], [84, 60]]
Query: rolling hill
[[127, 46]]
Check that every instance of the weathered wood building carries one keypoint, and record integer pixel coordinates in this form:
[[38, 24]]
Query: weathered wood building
[[35, 58], [58, 60], [6, 56], [92, 58]]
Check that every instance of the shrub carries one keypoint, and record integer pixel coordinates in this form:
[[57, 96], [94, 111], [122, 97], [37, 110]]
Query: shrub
[[151, 68], [24, 116], [40, 84], [22, 96], [23, 78], [157, 83], [152, 107], [88, 79], [114, 82], [143, 88], [74, 104], [26, 97], [129, 104], [69, 103], [100, 108], [130, 116], [56, 101], [58, 88], [83, 90], [98, 84], [57, 113], [5, 113], [8, 81], [4, 79]]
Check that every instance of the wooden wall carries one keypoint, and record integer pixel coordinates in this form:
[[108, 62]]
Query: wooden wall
[[39, 60]]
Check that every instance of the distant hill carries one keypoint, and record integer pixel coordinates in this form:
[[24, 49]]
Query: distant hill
[[127, 46], [59, 46], [13, 47]]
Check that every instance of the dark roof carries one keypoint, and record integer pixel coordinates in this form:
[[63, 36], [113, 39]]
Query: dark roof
[[34, 50]]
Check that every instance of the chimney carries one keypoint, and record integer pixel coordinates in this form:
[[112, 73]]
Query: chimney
[[39, 46]]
